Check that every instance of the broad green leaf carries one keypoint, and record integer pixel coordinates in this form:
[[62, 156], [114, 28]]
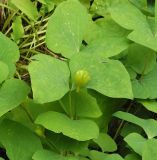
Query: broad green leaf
[[136, 142], [106, 75], [100, 7], [80, 130], [107, 47], [36, 108], [57, 2], [148, 125], [27, 7], [18, 140], [141, 59], [66, 28], [83, 103], [106, 38], [9, 53], [113, 157], [20, 115], [64, 143], [106, 143], [95, 155], [155, 18], [132, 157], [48, 155], [4, 71], [120, 12], [145, 87], [54, 82], [144, 37], [142, 33], [86, 3], [132, 73], [150, 105], [150, 148], [142, 4], [12, 93], [18, 30]]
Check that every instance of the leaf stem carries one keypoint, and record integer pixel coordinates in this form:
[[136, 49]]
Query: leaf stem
[[63, 106], [70, 106], [122, 122], [28, 113]]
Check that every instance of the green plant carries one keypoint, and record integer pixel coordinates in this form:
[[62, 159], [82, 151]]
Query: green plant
[[78, 80]]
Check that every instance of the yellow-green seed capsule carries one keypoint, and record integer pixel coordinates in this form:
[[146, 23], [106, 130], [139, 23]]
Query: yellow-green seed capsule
[[82, 77], [40, 131]]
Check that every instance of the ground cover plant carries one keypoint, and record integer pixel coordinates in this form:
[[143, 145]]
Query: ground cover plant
[[78, 80]]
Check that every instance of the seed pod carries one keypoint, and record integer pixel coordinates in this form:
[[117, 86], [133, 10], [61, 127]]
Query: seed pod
[[82, 77]]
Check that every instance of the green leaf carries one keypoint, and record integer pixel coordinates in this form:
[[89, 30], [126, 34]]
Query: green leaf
[[144, 37], [95, 155], [36, 108], [145, 87], [106, 75], [18, 140], [73, 18], [64, 143], [100, 7], [12, 93], [141, 59], [148, 125], [80, 130], [132, 157], [86, 3], [121, 10], [150, 148], [107, 47], [4, 71], [132, 73], [42, 1], [142, 33], [142, 4], [155, 18], [106, 143], [83, 103], [136, 142], [48, 155], [54, 82], [9, 53], [106, 38], [27, 7], [18, 30], [149, 105]]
